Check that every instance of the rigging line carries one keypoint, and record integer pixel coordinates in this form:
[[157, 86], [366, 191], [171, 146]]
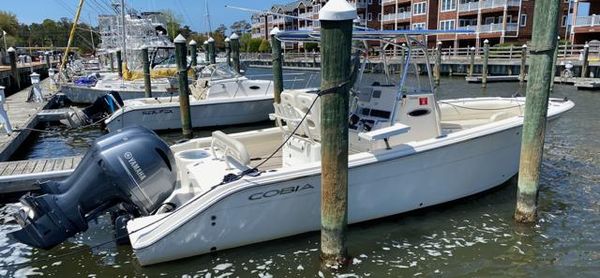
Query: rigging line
[[182, 10]]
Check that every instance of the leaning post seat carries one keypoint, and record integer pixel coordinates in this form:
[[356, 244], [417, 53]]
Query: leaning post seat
[[304, 144]]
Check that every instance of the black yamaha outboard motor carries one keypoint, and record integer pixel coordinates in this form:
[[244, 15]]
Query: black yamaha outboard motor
[[102, 108], [132, 167]]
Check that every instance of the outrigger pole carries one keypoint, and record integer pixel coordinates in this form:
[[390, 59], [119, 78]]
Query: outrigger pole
[[71, 36]]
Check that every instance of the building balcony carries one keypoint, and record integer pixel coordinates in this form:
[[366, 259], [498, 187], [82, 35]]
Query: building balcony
[[492, 28], [360, 4], [306, 15], [488, 4], [587, 21], [395, 16]]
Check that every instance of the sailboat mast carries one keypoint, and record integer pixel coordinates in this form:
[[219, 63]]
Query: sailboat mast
[[124, 50], [208, 18]]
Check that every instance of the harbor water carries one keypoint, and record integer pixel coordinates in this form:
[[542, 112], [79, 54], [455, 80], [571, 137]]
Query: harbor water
[[473, 237]]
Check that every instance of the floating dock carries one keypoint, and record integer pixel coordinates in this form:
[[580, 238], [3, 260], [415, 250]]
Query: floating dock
[[19, 176], [493, 78]]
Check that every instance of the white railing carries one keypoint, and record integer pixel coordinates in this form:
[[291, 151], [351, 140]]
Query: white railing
[[467, 7], [308, 28], [392, 17], [592, 20], [306, 14], [488, 4], [359, 4], [388, 1]]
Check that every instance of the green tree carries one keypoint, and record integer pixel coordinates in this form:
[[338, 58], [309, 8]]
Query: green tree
[[240, 27], [173, 23], [265, 46], [244, 41], [253, 45]]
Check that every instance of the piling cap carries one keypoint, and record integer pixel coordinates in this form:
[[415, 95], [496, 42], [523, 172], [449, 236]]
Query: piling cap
[[439, 42], [472, 48], [486, 41], [11, 49], [275, 31], [586, 45], [210, 40], [193, 42], [227, 39], [205, 43], [34, 74], [525, 46], [338, 10], [179, 39], [234, 36]]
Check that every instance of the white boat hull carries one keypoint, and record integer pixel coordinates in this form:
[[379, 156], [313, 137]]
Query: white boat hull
[[204, 113], [375, 190], [381, 183]]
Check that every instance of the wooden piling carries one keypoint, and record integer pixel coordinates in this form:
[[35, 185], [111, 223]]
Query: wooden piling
[[235, 51], [471, 61], [437, 68], [184, 97], [146, 68], [228, 50], [12, 58], [112, 62], [119, 63], [194, 56], [543, 41], [212, 51], [277, 66], [586, 61], [523, 69], [336, 39], [486, 57], [206, 53], [554, 64], [48, 62]]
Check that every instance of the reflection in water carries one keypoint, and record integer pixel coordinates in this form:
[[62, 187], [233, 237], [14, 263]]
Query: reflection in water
[[472, 237]]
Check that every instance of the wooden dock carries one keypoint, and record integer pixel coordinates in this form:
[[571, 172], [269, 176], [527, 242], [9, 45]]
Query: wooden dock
[[587, 84], [22, 116], [493, 78], [19, 176]]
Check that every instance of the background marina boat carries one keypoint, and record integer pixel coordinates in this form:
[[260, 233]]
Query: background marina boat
[[220, 97]]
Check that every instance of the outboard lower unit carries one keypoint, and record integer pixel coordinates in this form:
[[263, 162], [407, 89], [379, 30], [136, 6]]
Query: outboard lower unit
[[132, 167]]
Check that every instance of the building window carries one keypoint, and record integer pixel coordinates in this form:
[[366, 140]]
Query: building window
[[370, 17], [523, 21], [447, 24], [419, 26], [564, 21], [448, 5], [379, 17], [420, 8], [467, 22]]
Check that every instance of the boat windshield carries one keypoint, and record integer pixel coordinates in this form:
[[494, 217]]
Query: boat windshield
[[218, 72]]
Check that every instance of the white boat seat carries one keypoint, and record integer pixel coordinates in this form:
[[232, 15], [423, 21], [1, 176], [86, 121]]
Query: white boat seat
[[229, 147], [292, 108], [384, 133]]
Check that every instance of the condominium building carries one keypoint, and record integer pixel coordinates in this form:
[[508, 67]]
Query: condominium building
[[369, 12], [498, 21], [585, 26]]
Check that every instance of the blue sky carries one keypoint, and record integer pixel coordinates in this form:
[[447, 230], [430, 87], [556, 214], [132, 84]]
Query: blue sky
[[191, 12]]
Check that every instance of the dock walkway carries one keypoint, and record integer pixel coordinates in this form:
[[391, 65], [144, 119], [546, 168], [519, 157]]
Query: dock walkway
[[19, 176], [22, 116]]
